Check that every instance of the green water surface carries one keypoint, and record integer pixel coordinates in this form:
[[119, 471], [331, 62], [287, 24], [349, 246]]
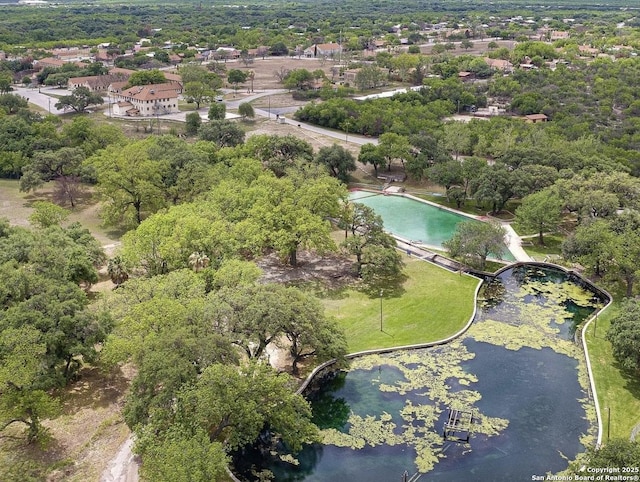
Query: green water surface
[[414, 220]]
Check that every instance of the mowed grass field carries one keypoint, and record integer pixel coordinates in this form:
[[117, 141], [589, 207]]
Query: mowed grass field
[[618, 391], [434, 304]]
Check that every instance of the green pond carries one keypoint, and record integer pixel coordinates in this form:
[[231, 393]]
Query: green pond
[[415, 220], [517, 371]]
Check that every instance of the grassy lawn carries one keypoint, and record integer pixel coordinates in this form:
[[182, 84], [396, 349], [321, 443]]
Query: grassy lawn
[[552, 247], [434, 305], [617, 390]]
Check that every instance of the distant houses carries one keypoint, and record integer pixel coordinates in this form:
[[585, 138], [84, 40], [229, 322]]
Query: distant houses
[[55, 63], [536, 118], [499, 64]]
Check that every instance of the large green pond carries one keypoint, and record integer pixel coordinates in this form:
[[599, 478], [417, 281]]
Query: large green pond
[[517, 370], [414, 220]]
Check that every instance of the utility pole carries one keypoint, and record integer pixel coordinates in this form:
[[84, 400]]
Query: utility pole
[[381, 293]]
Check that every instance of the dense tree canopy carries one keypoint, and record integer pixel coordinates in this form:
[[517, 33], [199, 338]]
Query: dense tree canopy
[[615, 454], [541, 212], [365, 238], [46, 330], [624, 335], [474, 242], [339, 161]]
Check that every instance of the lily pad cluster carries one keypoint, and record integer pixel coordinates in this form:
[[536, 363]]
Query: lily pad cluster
[[434, 376]]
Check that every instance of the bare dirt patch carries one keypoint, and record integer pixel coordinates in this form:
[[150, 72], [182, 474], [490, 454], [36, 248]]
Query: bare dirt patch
[[17, 206], [83, 438], [328, 272], [271, 127], [265, 69]]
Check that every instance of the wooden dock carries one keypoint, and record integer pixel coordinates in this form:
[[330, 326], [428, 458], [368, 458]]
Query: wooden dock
[[457, 428]]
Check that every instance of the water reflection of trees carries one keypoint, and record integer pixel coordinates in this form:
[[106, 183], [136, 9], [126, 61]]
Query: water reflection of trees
[[492, 293], [329, 411]]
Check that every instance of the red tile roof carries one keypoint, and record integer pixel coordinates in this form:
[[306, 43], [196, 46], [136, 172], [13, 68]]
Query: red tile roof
[[152, 92]]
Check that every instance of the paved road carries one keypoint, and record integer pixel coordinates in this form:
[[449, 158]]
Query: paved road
[[42, 97], [356, 139], [123, 467]]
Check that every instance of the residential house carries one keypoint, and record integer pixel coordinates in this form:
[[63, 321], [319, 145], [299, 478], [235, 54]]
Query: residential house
[[72, 53], [558, 35], [226, 53], [103, 55], [148, 100], [120, 71], [377, 44], [330, 50], [95, 83], [350, 76], [55, 63], [175, 59], [586, 50], [49, 62], [117, 87], [536, 118], [499, 64]]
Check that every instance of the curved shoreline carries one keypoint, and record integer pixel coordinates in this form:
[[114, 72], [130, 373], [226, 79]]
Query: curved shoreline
[[416, 346], [444, 341]]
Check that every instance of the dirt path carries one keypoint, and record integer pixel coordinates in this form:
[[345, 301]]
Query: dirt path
[[124, 466]]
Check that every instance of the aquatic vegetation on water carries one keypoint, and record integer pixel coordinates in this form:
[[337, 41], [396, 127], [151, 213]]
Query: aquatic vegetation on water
[[438, 378], [363, 431], [517, 375], [535, 311], [515, 337]]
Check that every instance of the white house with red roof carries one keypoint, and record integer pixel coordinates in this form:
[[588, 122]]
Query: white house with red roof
[[148, 100]]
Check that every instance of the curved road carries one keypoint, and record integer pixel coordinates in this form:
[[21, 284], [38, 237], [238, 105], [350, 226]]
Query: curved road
[[41, 98]]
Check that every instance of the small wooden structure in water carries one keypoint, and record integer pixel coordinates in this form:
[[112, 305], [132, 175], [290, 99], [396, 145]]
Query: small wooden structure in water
[[457, 428], [413, 478]]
